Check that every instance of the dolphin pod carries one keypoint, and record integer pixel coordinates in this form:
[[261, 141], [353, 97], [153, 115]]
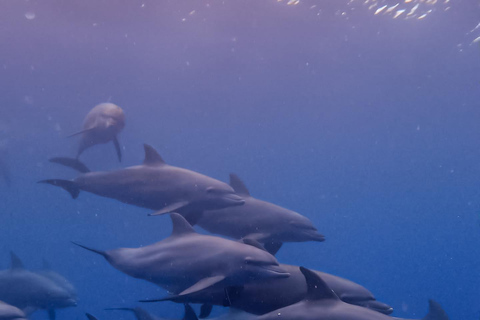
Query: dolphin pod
[[101, 125], [153, 185], [267, 295], [217, 262], [31, 291], [321, 303], [260, 220]]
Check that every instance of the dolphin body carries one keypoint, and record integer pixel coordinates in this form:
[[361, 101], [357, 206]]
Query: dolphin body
[[321, 303], [154, 185], [8, 312], [271, 294], [142, 314], [60, 281], [260, 220], [28, 290], [188, 262], [101, 125]]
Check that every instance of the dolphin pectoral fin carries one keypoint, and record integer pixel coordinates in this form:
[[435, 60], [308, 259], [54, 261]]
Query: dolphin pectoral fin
[[66, 185], [272, 247], [205, 310], [72, 163], [189, 313], [203, 284], [253, 243], [117, 148], [80, 132], [51, 314], [90, 317], [170, 208]]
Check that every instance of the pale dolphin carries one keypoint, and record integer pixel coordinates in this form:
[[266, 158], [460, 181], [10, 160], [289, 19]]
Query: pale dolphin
[[321, 303], [266, 295], [101, 125], [25, 289], [142, 314], [8, 312], [188, 262], [154, 185], [263, 221]]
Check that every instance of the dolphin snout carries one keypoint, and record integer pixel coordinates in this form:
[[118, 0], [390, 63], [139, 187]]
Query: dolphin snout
[[234, 199]]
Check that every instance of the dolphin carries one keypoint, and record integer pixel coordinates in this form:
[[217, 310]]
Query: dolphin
[[321, 303], [267, 295], [101, 125], [8, 312], [154, 185], [25, 289], [260, 220], [187, 262], [142, 314], [60, 281]]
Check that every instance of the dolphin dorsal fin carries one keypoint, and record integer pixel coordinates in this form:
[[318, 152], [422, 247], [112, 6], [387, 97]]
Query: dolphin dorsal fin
[[152, 158], [180, 225], [435, 311], [317, 289], [237, 184], [16, 263]]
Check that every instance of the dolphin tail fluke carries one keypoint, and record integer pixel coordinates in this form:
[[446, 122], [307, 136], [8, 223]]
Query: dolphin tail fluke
[[435, 311], [72, 163], [67, 185], [100, 252]]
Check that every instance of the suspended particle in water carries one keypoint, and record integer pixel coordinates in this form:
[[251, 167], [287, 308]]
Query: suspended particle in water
[[30, 15]]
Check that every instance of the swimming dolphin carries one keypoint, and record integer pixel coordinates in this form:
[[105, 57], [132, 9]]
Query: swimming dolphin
[[142, 314], [188, 262], [8, 312], [101, 125], [60, 281], [260, 220], [321, 303], [25, 289], [154, 185], [266, 295]]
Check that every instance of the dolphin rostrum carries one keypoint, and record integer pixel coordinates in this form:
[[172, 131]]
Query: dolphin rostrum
[[154, 185], [187, 262], [260, 220], [101, 125], [267, 295]]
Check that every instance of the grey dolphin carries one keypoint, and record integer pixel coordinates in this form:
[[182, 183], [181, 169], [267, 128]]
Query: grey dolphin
[[25, 289], [321, 303], [154, 185], [60, 281], [8, 312], [260, 220], [142, 314], [266, 295], [101, 125], [188, 262]]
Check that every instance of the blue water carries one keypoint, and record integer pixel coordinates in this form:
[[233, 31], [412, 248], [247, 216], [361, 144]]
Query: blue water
[[366, 124]]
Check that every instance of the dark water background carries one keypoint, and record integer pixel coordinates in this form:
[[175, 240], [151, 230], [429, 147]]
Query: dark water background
[[367, 125]]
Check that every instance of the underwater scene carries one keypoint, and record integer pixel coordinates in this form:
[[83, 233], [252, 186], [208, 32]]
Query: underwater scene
[[240, 159]]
